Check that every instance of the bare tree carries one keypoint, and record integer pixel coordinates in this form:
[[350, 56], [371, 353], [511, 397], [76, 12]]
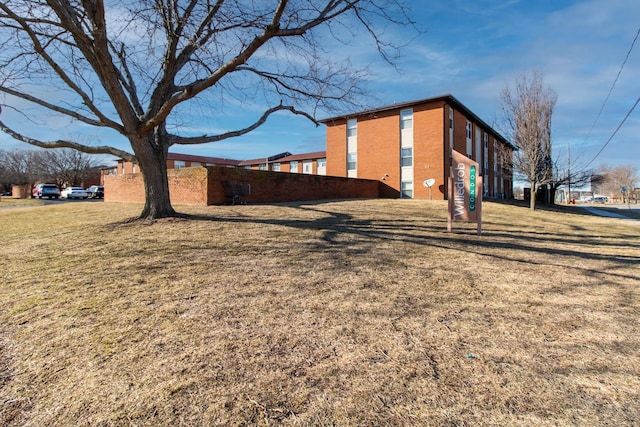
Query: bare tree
[[527, 111], [622, 180], [131, 66], [564, 176], [19, 167], [69, 167], [60, 166]]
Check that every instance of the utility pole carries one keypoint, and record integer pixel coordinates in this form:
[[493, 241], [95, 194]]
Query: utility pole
[[569, 169]]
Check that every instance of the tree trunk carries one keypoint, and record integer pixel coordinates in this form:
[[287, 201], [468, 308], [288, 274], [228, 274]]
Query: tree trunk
[[534, 194], [152, 159]]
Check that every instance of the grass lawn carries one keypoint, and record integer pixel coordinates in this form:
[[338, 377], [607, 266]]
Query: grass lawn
[[340, 313]]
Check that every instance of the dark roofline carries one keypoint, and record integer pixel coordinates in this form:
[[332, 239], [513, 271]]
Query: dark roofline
[[448, 98], [305, 156], [264, 159], [202, 159]]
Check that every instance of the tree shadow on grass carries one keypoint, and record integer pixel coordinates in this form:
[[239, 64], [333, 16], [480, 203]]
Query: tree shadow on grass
[[342, 231]]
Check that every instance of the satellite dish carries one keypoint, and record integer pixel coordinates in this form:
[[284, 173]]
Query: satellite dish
[[429, 182]]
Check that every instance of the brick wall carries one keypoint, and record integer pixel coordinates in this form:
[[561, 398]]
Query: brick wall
[[267, 187], [204, 186], [124, 188], [379, 147], [429, 160], [337, 149]]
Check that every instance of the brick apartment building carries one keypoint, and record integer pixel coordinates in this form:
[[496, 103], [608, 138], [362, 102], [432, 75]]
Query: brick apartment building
[[308, 163], [408, 143], [174, 161]]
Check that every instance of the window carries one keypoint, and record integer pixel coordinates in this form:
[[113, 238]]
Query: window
[[193, 164], [406, 119], [179, 164], [406, 189], [294, 166], [307, 166], [406, 156], [276, 167], [352, 127], [262, 167], [322, 166], [469, 133], [352, 160], [450, 118]]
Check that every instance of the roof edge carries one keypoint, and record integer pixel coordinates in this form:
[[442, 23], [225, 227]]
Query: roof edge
[[448, 98]]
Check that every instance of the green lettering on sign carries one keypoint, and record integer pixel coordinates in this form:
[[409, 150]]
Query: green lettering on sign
[[472, 188]]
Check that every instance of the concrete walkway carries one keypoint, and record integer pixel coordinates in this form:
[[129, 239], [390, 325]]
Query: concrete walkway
[[611, 213]]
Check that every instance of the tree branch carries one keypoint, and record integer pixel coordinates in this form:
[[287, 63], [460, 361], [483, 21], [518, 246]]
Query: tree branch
[[216, 138], [333, 9], [68, 144], [103, 122], [52, 63]]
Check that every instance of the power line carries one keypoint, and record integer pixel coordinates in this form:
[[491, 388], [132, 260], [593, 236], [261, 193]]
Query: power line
[[614, 132], [613, 85]]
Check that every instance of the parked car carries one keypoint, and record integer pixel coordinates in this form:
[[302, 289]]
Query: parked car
[[95, 192], [45, 190], [598, 199], [74, 193]]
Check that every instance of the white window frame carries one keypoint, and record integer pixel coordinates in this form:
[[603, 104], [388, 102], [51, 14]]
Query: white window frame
[[352, 161], [406, 190], [307, 167], [406, 119], [275, 167], [179, 164], [352, 128], [469, 135], [406, 156], [293, 166]]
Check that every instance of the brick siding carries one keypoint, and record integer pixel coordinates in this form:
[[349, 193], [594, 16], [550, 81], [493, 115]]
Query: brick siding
[[204, 186]]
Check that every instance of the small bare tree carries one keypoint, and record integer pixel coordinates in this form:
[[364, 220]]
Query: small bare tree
[[527, 111], [622, 180], [69, 167], [19, 167], [133, 66], [564, 177], [61, 166]]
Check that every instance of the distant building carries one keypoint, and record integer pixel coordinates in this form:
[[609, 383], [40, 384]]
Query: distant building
[[408, 143], [308, 163], [174, 161]]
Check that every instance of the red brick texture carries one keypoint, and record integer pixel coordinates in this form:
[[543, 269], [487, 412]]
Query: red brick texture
[[429, 161], [337, 149], [204, 186]]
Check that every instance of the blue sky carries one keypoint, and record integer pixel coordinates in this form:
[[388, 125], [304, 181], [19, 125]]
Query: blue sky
[[472, 49]]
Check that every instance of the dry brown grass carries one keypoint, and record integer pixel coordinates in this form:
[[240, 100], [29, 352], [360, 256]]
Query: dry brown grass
[[341, 313]]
